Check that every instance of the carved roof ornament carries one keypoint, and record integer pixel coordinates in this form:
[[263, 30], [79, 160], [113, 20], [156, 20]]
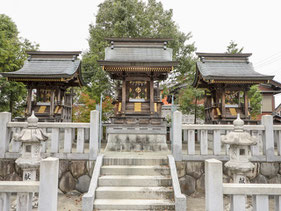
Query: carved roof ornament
[[239, 136], [32, 133]]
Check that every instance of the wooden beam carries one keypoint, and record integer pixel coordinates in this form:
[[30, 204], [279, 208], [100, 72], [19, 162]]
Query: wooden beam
[[52, 102], [246, 102], [223, 111], [123, 96], [151, 96]]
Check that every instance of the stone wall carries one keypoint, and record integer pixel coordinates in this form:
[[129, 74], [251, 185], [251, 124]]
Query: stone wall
[[73, 175], [192, 175]]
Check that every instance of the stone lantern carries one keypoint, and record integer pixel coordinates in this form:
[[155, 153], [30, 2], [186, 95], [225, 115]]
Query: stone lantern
[[240, 151], [31, 138]]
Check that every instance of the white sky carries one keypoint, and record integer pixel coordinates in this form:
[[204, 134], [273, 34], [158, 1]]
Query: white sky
[[253, 24]]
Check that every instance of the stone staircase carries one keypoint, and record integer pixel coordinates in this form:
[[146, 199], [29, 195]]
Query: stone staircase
[[139, 183]]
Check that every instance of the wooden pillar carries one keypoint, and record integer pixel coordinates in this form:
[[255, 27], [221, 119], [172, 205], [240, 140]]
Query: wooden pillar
[[123, 96], [246, 102], [59, 96], [29, 96], [223, 111], [52, 102], [151, 96]]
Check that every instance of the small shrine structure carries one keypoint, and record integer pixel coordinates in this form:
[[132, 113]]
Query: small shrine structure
[[226, 79], [138, 65], [49, 77]]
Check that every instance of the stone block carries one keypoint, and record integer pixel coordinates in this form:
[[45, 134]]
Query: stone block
[[7, 167], [254, 172], [200, 184], [275, 180], [13, 177], [83, 183], [227, 179], [78, 168], [90, 165], [67, 182], [187, 184], [63, 167], [269, 170], [18, 170], [194, 169], [259, 179], [181, 168]]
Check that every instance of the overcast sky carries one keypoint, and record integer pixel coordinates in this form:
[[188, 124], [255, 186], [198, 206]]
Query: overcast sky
[[253, 24]]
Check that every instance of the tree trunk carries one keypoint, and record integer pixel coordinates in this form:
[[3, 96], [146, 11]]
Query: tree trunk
[[195, 110], [11, 103]]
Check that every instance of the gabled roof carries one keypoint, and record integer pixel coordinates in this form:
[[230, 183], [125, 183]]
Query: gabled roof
[[138, 52], [49, 65], [223, 67]]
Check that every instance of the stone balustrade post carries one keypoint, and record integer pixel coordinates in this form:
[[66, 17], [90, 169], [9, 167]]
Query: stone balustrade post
[[48, 189], [268, 144], [94, 135], [177, 136], [213, 185], [5, 117]]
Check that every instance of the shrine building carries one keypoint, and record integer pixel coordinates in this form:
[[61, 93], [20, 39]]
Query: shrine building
[[226, 79], [49, 77]]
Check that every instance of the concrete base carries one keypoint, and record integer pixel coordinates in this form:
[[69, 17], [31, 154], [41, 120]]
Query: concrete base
[[136, 143]]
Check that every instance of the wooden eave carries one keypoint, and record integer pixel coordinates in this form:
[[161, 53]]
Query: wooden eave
[[138, 64], [118, 39], [64, 78], [112, 66]]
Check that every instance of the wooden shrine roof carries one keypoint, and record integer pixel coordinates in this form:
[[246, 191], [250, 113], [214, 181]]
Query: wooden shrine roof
[[62, 66], [227, 68], [138, 55]]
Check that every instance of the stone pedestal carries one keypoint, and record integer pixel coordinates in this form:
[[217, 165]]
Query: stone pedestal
[[136, 138]]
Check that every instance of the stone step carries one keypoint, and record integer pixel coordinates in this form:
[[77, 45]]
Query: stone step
[[135, 170], [125, 204], [135, 161], [140, 181], [134, 193]]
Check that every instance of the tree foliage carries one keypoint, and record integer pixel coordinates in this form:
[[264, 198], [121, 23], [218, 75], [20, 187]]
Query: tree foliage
[[188, 101], [133, 19], [255, 101], [12, 56], [232, 48]]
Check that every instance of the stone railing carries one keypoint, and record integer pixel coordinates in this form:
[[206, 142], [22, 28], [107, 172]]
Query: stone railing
[[204, 141], [215, 190], [67, 139], [47, 188]]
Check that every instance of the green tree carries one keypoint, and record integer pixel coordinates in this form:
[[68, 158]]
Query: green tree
[[255, 101], [188, 99], [12, 56], [133, 18], [232, 48]]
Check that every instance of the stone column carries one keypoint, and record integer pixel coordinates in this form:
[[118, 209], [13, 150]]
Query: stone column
[[213, 185], [5, 118], [94, 135], [48, 191], [177, 136]]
